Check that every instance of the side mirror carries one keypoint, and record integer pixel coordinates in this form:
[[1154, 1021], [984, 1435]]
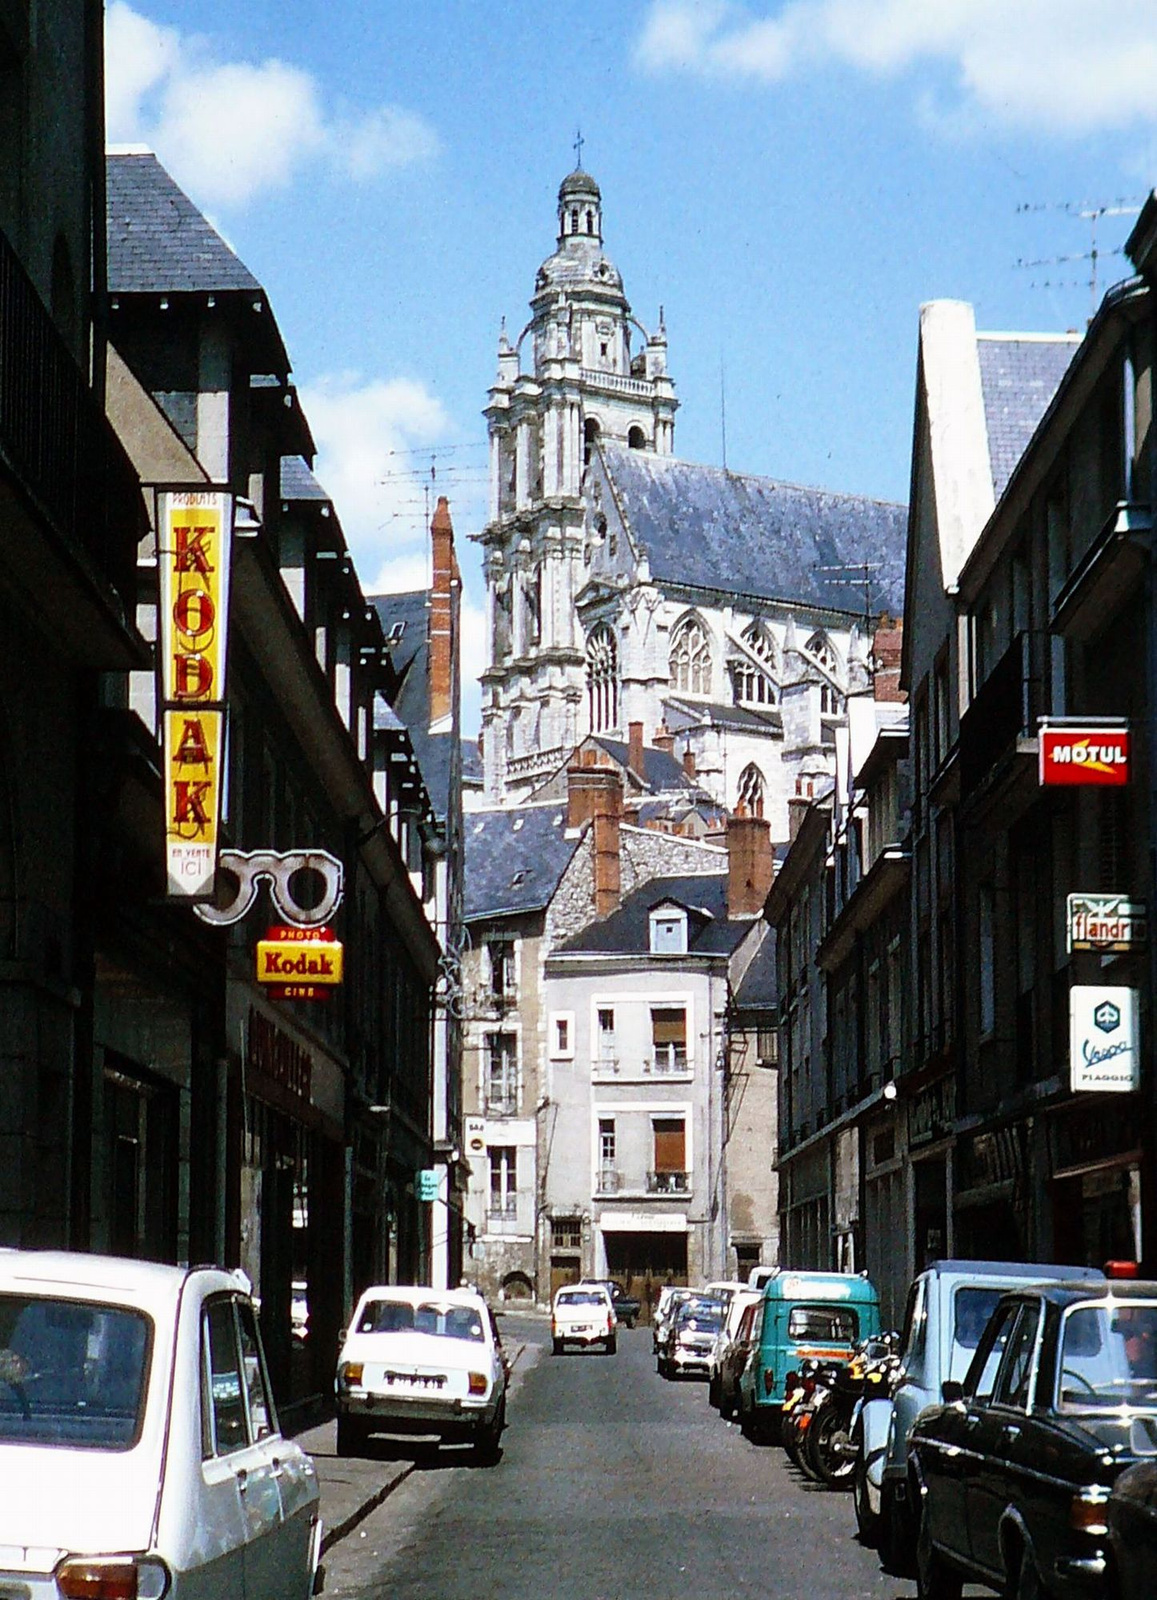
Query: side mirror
[[952, 1392]]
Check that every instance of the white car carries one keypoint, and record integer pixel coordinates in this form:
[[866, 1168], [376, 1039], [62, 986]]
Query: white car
[[140, 1455], [735, 1306], [417, 1360], [583, 1313]]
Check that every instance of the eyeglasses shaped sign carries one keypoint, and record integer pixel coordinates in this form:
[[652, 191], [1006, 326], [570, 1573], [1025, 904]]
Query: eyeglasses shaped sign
[[194, 539]]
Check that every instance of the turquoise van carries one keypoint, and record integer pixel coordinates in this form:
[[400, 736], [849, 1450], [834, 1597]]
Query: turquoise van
[[803, 1314]]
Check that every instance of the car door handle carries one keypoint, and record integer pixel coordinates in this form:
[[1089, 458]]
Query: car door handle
[[242, 1480], [1011, 1431]]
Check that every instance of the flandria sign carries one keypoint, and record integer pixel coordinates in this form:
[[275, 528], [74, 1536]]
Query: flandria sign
[[1088, 753], [1108, 922]]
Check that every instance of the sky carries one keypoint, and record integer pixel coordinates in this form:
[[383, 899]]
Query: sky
[[790, 182]]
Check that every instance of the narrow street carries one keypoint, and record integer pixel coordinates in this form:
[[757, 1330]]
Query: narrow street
[[613, 1484]]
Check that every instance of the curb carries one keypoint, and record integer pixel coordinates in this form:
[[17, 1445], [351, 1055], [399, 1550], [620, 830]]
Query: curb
[[342, 1530]]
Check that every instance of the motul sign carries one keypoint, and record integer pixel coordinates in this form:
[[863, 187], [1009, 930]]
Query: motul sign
[[1087, 754]]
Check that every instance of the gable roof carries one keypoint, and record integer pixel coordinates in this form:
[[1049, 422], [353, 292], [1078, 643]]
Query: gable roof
[[514, 859], [157, 239], [758, 989], [661, 772], [298, 482], [1019, 374], [704, 527], [410, 657], [627, 931]]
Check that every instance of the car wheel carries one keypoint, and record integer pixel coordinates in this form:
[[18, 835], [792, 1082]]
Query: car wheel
[[486, 1445], [726, 1404], [611, 1345], [351, 1436], [1027, 1585], [713, 1391], [935, 1579], [896, 1545], [557, 1347], [867, 1520]]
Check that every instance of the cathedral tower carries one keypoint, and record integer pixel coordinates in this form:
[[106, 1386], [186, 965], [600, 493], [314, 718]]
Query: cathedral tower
[[576, 373]]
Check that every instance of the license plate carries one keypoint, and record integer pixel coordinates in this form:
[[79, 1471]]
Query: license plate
[[413, 1380]]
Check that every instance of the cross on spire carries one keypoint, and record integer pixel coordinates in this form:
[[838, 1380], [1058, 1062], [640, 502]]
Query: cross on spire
[[579, 141]]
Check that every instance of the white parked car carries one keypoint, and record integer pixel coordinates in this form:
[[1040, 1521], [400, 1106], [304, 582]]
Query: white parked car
[[422, 1361], [583, 1313], [140, 1455]]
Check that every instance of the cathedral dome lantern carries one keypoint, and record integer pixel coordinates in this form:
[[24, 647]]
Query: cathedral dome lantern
[[580, 209]]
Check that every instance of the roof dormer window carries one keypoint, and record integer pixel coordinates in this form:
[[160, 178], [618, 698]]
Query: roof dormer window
[[669, 931]]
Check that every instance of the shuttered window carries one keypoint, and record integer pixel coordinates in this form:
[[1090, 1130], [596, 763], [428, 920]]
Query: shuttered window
[[670, 1144]]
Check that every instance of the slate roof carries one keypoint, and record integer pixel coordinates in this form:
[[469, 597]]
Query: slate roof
[[661, 771], [759, 988], [472, 769], [157, 239], [712, 529], [411, 659], [627, 931], [1018, 378], [514, 859], [744, 718], [298, 482]]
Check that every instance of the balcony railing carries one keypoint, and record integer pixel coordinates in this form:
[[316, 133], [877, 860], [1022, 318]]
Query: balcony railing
[[57, 441], [1004, 709], [609, 1180], [617, 383], [503, 1207], [501, 1102], [668, 1058], [606, 1066], [668, 1183]]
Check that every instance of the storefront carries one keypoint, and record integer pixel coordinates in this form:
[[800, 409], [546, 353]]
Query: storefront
[[1095, 1169], [288, 1105], [991, 1198]]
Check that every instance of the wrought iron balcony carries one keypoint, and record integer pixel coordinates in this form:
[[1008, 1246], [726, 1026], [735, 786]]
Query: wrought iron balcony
[[609, 1180], [668, 1058], [668, 1183], [501, 1102], [57, 442], [503, 1206]]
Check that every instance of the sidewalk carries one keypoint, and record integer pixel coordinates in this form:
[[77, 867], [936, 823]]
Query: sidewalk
[[354, 1486]]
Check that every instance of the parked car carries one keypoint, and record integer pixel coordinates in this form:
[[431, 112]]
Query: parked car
[[417, 1360], [671, 1295], [140, 1450], [583, 1314], [1013, 1471], [742, 1300], [689, 1338], [1132, 1537], [804, 1316], [627, 1306], [948, 1307]]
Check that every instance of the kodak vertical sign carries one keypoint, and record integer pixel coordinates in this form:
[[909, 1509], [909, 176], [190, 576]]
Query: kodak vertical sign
[[194, 545]]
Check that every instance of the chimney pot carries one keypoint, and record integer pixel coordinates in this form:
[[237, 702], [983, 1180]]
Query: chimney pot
[[635, 758], [689, 763], [663, 739], [750, 864]]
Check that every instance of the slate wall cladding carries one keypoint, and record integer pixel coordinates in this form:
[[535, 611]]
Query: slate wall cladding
[[644, 854]]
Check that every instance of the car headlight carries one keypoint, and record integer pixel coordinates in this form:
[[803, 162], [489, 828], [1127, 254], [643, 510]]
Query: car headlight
[[112, 1578]]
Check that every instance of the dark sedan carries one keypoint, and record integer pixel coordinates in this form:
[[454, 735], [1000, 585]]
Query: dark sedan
[[1012, 1474], [627, 1306]]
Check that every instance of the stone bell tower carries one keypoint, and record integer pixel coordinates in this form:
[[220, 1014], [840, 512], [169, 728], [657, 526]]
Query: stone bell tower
[[583, 368]]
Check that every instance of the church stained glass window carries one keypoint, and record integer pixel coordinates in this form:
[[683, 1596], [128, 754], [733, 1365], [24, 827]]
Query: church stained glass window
[[751, 790], [690, 660], [603, 679], [753, 687], [831, 700]]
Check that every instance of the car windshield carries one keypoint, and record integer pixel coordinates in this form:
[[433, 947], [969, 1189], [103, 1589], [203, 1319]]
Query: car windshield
[[71, 1374], [443, 1321], [972, 1308], [700, 1321], [1109, 1356], [582, 1297]]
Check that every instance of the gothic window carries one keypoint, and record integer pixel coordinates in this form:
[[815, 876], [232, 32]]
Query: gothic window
[[753, 687], [690, 661], [831, 701], [751, 790], [603, 679]]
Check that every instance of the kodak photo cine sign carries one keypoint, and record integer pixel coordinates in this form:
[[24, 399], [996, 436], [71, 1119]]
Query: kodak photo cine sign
[[194, 547]]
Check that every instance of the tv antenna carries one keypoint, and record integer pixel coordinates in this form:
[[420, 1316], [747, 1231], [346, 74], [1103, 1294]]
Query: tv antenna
[[856, 575], [1092, 212]]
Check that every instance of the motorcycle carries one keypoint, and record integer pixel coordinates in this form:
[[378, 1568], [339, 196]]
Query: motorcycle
[[831, 1451], [807, 1394]]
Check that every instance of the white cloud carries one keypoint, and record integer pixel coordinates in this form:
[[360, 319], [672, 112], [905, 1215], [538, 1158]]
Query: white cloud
[[1061, 65], [229, 130]]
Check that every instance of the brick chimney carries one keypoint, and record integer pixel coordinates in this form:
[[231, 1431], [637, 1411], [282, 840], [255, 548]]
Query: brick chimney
[[750, 864], [441, 619], [689, 763], [663, 739], [591, 788], [887, 646], [797, 810], [635, 759]]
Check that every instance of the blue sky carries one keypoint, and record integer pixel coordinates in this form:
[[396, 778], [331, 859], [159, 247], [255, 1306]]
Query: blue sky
[[790, 182]]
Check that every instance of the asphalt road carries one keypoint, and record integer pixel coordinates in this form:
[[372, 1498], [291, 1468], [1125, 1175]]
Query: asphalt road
[[613, 1484]]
